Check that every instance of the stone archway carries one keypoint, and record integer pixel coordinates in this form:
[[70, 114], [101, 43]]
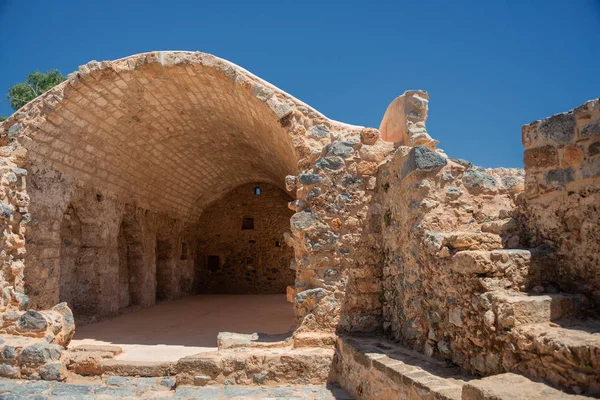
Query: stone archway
[[131, 264], [167, 133], [78, 279]]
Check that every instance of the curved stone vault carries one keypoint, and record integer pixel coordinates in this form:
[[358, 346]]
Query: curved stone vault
[[142, 145]]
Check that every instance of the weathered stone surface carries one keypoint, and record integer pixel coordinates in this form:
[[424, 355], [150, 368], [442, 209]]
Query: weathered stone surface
[[53, 372], [329, 163], [309, 179], [541, 157], [478, 179], [135, 368], [514, 310], [511, 387], [422, 159], [591, 129], [374, 368], [32, 321], [560, 176], [559, 128], [40, 353], [319, 131], [340, 149], [564, 354]]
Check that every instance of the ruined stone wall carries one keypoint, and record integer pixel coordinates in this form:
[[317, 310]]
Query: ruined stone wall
[[252, 258], [335, 234], [435, 212], [562, 165]]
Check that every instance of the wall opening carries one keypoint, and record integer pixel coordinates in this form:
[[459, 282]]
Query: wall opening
[[163, 253], [78, 279], [247, 224], [253, 260], [213, 263], [131, 264]]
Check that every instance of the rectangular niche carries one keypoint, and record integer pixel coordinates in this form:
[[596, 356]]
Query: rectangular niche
[[247, 224], [213, 263]]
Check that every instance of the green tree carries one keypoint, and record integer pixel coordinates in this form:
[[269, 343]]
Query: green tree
[[35, 84], [2, 118]]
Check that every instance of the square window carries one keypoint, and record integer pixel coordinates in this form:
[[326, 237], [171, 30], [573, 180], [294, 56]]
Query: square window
[[247, 224]]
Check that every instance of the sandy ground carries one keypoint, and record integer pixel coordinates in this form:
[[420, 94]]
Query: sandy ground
[[175, 329]]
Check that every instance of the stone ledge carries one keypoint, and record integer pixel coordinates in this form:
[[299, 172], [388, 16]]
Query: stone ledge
[[511, 387], [377, 368], [136, 368]]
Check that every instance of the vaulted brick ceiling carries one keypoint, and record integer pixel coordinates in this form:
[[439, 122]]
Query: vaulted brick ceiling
[[170, 138]]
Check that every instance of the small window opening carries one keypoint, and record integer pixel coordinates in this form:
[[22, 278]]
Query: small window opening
[[213, 263], [277, 244], [257, 190], [184, 251], [247, 224]]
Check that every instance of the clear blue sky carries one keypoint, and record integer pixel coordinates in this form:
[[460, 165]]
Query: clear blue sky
[[489, 65]]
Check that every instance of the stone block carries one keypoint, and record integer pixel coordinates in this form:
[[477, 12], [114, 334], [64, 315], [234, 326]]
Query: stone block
[[559, 128], [53, 372], [329, 163], [340, 149], [540, 157], [136, 368], [309, 179], [319, 131], [420, 158], [593, 149], [201, 380], [477, 179], [32, 320], [571, 156], [511, 386], [513, 310], [40, 353], [591, 129], [559, 176]]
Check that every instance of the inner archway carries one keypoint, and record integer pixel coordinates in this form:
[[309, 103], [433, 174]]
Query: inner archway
[[131, 264], [240, 243]]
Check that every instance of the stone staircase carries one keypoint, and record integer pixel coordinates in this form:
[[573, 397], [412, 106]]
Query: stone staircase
[[375, 368], [549, 336]]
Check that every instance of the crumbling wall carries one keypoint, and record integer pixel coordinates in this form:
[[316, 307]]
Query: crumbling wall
[[435, 210], [334, 232], [445, 224], [562, 197], [252, 254]]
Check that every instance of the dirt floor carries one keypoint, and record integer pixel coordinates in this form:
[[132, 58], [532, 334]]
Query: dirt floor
[[175, 329]]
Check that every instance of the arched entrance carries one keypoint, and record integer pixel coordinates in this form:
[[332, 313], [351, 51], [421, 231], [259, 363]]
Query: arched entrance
[[165, 135]]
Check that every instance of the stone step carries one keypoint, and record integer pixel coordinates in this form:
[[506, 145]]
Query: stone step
[[564, 353], [376, 368], [458, 241], [491, 262], [511, 387], [515, 309], [136, 368], [246, 366], [504, 269]]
